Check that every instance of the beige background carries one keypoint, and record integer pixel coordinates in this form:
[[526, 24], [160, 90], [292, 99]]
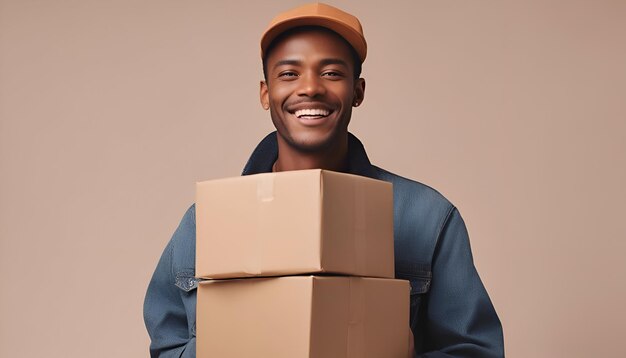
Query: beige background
[[111, 110]]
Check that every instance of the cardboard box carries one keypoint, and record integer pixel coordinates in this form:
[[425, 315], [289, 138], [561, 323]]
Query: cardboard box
[[297, 222], [303, 317]]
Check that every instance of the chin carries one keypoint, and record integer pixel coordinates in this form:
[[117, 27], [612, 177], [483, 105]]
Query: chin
[[309, 143]]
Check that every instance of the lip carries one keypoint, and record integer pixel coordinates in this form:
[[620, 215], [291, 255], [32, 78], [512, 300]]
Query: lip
[[313, 122], [309, 105]]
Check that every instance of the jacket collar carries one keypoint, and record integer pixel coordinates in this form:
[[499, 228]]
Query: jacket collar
[[266, 153]]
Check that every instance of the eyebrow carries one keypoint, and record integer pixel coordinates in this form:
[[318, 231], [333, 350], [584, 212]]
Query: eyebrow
[[324, 62]]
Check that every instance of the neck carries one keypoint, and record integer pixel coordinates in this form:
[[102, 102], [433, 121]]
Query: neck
[[333, 158]]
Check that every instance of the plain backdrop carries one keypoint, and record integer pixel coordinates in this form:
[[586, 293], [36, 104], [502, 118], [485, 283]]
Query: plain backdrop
[[110, 111]]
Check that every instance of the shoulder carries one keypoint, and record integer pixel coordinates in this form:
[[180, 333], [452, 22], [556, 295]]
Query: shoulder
[[413, 194], [420, 215]]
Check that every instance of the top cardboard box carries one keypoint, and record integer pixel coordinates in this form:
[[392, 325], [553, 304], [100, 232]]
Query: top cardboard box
[[291, 223]]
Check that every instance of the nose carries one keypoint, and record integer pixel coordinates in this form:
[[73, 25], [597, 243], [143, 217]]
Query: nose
[[311, 85]]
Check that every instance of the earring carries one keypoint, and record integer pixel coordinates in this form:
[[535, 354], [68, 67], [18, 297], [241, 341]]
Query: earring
[[356, 103]]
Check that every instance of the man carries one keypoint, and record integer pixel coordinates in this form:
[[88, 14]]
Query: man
[[312, 58]]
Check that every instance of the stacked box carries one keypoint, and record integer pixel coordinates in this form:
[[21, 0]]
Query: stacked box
[[298, 264]]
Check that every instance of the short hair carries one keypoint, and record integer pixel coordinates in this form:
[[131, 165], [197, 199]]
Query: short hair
[[355, 57]]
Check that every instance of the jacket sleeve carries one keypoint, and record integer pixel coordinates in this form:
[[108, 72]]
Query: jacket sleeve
[[460, 318], [165, 315]]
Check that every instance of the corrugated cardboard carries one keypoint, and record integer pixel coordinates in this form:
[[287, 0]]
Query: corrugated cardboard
[[296, 222], [303, 317]]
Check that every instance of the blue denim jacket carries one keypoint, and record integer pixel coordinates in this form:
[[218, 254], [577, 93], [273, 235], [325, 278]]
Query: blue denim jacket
[[451, 314]]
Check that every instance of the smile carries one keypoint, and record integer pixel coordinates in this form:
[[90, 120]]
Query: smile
[[312, 113]]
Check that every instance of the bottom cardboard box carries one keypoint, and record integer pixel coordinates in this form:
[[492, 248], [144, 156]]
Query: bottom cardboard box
[[303, 317]]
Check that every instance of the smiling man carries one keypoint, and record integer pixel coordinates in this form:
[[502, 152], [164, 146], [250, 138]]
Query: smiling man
[[310, 87], [312, 58]]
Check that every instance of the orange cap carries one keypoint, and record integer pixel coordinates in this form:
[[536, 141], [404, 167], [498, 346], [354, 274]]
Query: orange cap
[[318, 14]]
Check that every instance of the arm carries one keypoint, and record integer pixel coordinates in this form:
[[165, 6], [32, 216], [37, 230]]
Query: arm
[[461, 321], [164, 311]]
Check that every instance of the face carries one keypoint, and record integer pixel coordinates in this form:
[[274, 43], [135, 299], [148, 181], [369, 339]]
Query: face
[[310, 90]]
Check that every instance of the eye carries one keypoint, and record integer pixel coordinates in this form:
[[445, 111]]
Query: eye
[[288, 74], [332, 74]]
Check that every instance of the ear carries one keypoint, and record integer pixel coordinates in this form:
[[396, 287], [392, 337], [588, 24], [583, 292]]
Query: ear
[[359, 92], [264, 96]]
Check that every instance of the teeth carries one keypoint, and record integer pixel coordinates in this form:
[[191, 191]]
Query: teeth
[[312, 112]]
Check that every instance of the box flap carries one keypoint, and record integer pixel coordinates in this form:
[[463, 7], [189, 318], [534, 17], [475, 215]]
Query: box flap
[[252, 317], [357, 225], [259, 225], [357, 317]]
